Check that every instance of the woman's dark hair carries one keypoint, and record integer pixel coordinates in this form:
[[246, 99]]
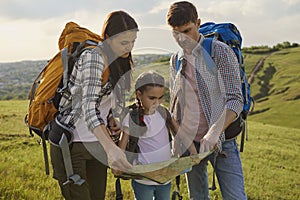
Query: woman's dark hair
[[117, 22], [181, 13]]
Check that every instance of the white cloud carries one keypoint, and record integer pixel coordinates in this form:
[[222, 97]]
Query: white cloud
[[162, 6], [291, 2], [252, 8], [27, 40]]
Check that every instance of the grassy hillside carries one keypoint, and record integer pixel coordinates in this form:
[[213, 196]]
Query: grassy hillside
[[276, 88], [271, 163], [270, 159]]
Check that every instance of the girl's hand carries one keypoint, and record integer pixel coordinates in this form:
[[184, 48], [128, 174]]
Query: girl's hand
[[114, 129], [192, 149], [114, 126]]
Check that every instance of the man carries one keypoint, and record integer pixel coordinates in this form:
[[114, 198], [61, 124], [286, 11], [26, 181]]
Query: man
[[206, 100]]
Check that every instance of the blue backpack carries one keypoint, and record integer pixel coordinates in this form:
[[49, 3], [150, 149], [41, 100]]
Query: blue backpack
[[229, 34]]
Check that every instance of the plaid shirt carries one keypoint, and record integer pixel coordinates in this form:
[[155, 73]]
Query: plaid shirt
[[218, 87], [85, 91]]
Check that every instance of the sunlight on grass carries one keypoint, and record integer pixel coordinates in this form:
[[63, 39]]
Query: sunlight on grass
[[270, 161]]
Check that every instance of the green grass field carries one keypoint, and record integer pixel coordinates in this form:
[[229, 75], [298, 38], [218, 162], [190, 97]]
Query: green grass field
[[270, 158]]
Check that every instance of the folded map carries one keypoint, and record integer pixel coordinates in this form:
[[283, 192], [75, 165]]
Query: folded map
[[163, 172]]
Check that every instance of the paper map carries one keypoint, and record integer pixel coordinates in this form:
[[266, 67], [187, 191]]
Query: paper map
[[163, 172]]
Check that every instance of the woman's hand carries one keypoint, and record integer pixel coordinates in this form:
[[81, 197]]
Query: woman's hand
[[116, 157], [117, 160], [116, 172]]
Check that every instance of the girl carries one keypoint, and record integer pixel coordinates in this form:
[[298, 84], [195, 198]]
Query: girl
[[87, 112], [153, 143]]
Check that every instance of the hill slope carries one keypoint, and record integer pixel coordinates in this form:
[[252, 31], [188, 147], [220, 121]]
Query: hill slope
[[276, 87]]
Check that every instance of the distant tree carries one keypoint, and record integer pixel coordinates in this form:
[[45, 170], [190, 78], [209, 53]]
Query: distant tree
[[286, 44], [266, 49]]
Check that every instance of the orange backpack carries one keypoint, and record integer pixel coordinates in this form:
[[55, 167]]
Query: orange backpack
[[49, 85]]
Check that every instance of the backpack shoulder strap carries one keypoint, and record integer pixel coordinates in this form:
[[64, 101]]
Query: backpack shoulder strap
[[90, 44], [64, 58], [165, 113], [208, 46], [137, 127], [178, 61], [134, 113]]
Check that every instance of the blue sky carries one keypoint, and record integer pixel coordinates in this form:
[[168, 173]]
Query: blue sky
[[30, 28]]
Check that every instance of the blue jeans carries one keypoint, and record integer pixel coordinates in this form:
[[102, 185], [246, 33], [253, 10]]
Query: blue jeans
[[147, 192], [228, 171]]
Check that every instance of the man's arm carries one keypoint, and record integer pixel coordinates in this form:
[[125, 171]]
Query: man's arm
[[228, 68], [210, 140]]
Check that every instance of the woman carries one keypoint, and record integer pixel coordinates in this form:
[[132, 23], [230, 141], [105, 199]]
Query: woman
[[87, 109]]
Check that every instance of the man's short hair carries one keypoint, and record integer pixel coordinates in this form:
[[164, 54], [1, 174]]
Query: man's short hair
[[181, 13]]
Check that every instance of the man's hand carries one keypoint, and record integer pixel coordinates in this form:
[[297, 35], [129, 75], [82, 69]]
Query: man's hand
[[210, 140]]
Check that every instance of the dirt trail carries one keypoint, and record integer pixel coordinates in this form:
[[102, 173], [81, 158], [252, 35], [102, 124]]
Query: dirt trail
[[258, 66]]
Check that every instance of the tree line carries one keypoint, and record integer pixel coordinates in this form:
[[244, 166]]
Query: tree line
[[266, 49]]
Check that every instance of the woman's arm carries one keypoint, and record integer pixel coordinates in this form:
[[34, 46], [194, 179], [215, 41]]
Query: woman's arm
[[116, 157], [91, 69], [122, 144]]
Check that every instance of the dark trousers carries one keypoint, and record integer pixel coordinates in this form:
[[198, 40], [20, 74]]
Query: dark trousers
[[85, 164]]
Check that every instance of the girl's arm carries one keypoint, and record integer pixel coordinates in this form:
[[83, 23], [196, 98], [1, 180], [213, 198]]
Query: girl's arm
[[124, 139]]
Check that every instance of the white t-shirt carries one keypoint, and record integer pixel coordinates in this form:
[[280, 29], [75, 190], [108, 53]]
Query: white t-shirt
[[155, 144], [81, 132]]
